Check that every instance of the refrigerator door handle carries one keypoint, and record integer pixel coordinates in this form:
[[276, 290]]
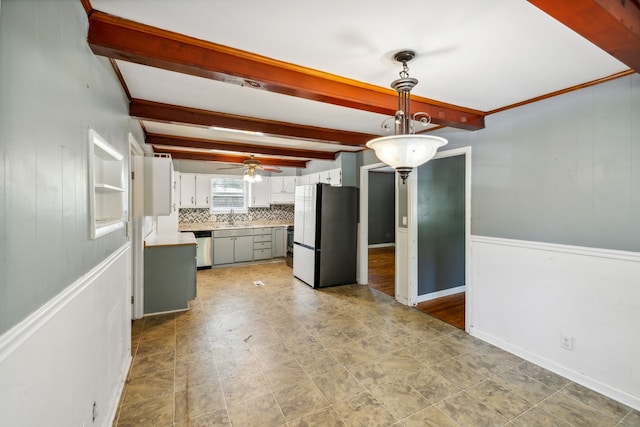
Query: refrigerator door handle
[[305, 246]]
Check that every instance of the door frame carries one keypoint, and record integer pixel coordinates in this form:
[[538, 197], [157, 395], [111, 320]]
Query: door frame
[[412, 200], [136, 226], [362, 276]]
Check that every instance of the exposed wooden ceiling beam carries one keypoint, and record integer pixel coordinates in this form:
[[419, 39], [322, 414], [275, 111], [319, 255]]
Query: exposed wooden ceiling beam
[[167, 113], [206, 144], [612, 25], [225, 158], [127, 40]]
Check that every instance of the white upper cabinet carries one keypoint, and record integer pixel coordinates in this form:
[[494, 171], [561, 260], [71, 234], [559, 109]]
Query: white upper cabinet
[[158, 182], [195, 190], [260, 193], [282, 189], [203, 191], [187, 190], [332, 177], [168, 224], [335, 177]]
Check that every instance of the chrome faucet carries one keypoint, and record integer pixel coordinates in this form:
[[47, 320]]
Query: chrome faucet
[[231, 218]]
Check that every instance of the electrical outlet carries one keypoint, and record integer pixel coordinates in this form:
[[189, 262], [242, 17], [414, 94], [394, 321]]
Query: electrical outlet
[[567, 342]]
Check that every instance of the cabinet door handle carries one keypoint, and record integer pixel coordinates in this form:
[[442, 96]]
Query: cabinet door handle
[[191, 199], [207, 199]]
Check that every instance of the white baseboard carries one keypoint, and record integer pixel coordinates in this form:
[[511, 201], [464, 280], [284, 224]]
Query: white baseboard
[[577, 377], [440, 294], [382, 245]]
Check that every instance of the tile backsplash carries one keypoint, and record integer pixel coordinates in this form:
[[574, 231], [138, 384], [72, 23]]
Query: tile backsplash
[[203, 215]]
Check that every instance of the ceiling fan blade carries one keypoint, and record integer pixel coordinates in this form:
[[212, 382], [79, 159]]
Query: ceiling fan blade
[[231, 167], [271, 169]]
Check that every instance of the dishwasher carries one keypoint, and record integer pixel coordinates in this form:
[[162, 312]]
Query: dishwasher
[[204, 254]]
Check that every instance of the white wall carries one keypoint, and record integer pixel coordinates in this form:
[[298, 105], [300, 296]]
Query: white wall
[[527, 296]]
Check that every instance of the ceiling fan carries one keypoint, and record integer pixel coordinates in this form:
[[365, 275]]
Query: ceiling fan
[[252, 165]]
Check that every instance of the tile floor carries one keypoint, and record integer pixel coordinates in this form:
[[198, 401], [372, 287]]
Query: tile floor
[[284, 354]]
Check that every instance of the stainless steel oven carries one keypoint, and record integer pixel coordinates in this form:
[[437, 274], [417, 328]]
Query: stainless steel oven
[[289, 254]]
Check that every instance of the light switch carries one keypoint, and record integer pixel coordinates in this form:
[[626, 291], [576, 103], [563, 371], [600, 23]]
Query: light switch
[[404, 220]]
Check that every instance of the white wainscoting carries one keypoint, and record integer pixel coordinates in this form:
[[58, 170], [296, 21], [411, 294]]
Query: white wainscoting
[[402, 266], [527, 296], [73, 351]]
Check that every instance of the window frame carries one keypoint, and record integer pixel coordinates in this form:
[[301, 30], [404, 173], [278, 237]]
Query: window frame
[[226, 210]]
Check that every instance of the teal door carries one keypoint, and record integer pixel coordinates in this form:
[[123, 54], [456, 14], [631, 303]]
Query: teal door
[[441, 224]]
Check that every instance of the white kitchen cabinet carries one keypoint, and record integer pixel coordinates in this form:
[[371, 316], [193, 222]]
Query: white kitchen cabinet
[[332, 177], [168, 224], [158, 183], [187, 190], [313, 178], [278, 243], [260, 194], [203, 190], [335, 177], [195, 190], [282, 189]]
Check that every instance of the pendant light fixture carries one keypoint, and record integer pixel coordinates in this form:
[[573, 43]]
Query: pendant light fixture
[[405, 149], [252, 175]]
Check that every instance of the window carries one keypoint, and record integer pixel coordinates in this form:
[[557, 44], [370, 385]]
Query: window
[[228, 193]]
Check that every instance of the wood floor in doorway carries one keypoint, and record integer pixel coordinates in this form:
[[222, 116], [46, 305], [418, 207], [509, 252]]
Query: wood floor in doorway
[[449, 309], [382, 269]]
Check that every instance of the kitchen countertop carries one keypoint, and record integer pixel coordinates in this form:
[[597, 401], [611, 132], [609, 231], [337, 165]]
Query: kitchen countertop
[[177, 239], [205, 226]]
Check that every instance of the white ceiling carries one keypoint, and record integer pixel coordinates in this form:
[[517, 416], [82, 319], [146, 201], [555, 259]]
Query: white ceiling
[[481, 55]]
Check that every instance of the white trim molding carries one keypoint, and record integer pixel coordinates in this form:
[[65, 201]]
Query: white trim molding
[[440, 294], [530, 297], [363, 225]]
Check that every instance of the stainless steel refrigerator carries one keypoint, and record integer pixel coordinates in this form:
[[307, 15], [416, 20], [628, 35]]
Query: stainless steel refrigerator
[[325, 235]]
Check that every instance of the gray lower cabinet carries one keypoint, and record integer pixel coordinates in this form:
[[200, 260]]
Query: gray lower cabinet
[[223, 250], [277, 242], [231, 246], [262, 243], [169, 278], [243, 250]]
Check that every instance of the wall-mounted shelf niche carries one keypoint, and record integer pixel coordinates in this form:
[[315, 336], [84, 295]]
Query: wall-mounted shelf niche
[[106, 186]]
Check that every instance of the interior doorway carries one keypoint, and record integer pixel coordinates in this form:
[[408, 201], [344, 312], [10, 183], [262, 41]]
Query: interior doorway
[[377, 228], [382, 269], [443, 227]]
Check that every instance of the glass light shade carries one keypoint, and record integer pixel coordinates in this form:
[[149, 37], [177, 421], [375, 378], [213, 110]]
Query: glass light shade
[[405, 152], [252, 176]]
